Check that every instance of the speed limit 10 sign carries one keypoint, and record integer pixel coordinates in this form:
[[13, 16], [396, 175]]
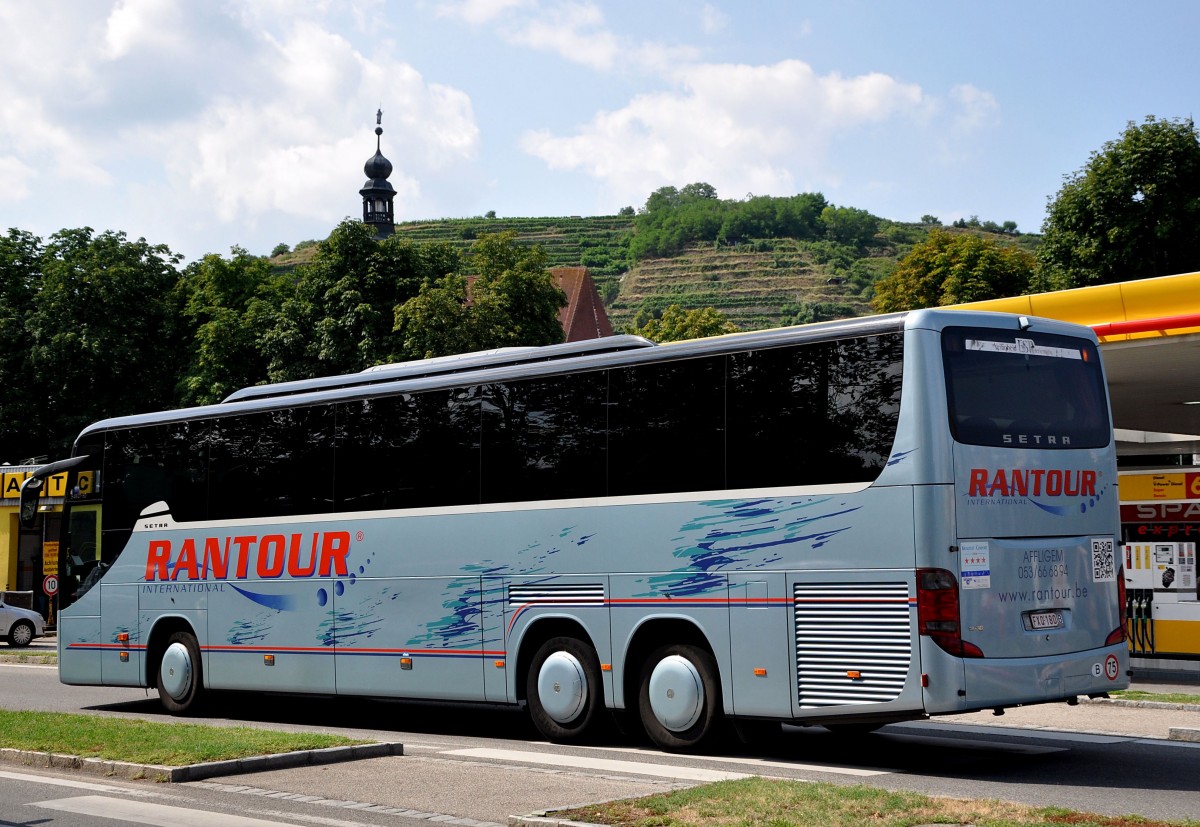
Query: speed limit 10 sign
[[50, 585]]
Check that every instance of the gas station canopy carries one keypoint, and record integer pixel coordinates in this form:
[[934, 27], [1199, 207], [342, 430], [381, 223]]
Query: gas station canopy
[[1150, 340]]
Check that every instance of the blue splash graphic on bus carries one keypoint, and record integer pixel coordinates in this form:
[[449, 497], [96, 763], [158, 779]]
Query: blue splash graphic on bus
[[278, 602], [244, 632], [746, 535]]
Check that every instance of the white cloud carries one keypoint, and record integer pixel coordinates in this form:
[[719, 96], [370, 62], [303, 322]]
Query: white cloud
[[574, 31], [187, 115], [294, 149], [712, 19], [153, 25], [741, 128], [27, 130], [976, 109], [16, 176], [479, 12]]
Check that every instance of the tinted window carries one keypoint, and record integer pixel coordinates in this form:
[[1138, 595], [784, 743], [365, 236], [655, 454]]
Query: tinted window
[[277, 463], [667, 427], [164, 462], [813, 414], [1019, 389], [545, 439], [408, 451]]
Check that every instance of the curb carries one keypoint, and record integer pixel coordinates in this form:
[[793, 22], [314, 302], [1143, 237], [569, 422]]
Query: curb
[[1141, 704], [546, 820], [1182, 734], [198, 772]]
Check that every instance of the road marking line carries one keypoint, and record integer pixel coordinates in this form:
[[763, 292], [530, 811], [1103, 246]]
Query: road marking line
[[158, 815], [440, 818], [999, 732], [71, 782], [839, 769], [979, 746], [340, 804], [601, 764]]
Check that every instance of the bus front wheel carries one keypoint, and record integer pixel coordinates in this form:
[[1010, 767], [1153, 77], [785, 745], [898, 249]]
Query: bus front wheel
[[180, 684], [680, 696], [564, 688]]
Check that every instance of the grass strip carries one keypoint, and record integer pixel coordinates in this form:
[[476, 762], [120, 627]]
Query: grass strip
[[778, 803], [1161, 697], [148, 742]]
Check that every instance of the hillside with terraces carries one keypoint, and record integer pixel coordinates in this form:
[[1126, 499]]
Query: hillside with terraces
[[756, 284]]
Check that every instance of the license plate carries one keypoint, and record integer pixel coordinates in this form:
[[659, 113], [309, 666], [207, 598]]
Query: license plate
[[1046, 620]]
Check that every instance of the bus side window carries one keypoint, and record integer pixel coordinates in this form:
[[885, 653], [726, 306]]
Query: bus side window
[[544, 439], [667, 427], [255, 459], [408, 451]]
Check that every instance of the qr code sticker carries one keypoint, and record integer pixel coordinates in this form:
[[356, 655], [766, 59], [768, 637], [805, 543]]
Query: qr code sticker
[[1104, 567]]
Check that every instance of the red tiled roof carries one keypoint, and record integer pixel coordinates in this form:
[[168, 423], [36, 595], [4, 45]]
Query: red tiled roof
[[584, 316]]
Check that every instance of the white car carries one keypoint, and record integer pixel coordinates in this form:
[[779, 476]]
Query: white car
[[19, 626]]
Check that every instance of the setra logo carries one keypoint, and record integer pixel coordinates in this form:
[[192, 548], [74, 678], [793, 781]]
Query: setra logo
[[1032, 482], [301, 555]]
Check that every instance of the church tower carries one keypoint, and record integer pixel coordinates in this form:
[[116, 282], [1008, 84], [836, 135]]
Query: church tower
[[377, 193]]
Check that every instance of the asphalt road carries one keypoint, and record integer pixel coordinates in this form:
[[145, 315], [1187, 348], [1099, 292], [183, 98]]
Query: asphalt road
[[473, 766]]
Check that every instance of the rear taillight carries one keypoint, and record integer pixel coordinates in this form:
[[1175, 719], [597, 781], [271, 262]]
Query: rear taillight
[[1118, 634], [938, 613]]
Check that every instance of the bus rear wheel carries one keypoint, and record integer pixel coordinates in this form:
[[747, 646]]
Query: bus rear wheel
[[680, 696], [180, 679], [564, 689]]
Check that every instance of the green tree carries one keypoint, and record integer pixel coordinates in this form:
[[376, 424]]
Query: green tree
[[104, 331], [336, 316], [849, 225], [951, 268], [435, 322], [20, 404], [513, 301], [676, 324], [1133, 211], [215, 294]]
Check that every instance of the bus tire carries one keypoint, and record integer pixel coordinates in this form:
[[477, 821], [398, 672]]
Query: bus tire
[[564, 689], [680, 696], [20, 634], [180, 676]]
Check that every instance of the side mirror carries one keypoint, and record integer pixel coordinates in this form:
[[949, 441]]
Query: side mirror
[[31, 490]]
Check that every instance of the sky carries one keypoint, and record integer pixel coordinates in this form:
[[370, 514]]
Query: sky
[[209, 125]]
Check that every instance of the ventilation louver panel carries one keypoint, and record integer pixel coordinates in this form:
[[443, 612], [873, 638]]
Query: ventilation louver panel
[[843, 629], [560, 594]]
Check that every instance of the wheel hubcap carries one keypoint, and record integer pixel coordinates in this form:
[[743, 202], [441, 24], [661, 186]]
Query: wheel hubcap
[[176, 671], [22, 635], [676, 693], [562, 687]]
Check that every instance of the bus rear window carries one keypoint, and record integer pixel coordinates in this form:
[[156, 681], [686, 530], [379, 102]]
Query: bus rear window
[[1018, 389]]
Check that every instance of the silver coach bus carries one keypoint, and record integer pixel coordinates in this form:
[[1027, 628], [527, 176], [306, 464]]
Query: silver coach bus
[[844, 524]]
